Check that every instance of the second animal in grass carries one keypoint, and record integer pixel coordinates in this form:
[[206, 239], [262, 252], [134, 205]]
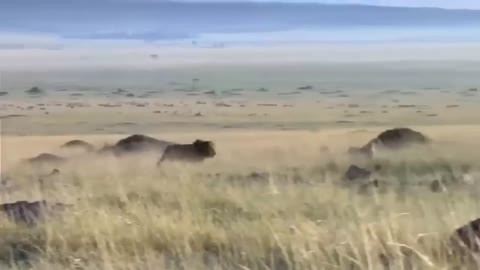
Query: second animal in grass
[[197, 151]]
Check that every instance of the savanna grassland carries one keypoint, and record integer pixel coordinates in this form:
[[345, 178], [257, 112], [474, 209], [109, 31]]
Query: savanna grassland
[[268, 200], [274, 196]]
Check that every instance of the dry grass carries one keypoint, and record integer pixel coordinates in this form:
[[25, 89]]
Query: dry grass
[[130, 215]]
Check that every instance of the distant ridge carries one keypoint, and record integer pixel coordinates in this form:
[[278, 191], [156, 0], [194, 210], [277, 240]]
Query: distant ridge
[[168, 20]]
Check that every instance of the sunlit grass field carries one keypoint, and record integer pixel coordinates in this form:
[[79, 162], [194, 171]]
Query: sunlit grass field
[[268, 200]]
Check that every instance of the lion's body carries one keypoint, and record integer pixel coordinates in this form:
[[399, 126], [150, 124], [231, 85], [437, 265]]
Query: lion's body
[[195, 152], [392, 139], [140, 143]]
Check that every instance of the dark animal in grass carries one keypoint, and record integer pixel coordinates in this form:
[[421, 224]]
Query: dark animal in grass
[[467, 236], [139, 143], [79, 144], [356, 173], [198, 151], [134, 144], [437, 186], [398, 138], [31, 213], [46, 158], [392, 139]]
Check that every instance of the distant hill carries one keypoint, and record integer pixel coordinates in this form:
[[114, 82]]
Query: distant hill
[[101, 19]]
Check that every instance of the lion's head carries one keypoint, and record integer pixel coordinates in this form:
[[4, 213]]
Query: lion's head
[[204, 148]]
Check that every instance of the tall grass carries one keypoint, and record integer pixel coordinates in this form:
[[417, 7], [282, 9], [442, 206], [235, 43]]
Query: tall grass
[[260, 204]]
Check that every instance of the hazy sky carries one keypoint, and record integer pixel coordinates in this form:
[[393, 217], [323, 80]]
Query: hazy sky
[[59, 24], [39, 36]]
